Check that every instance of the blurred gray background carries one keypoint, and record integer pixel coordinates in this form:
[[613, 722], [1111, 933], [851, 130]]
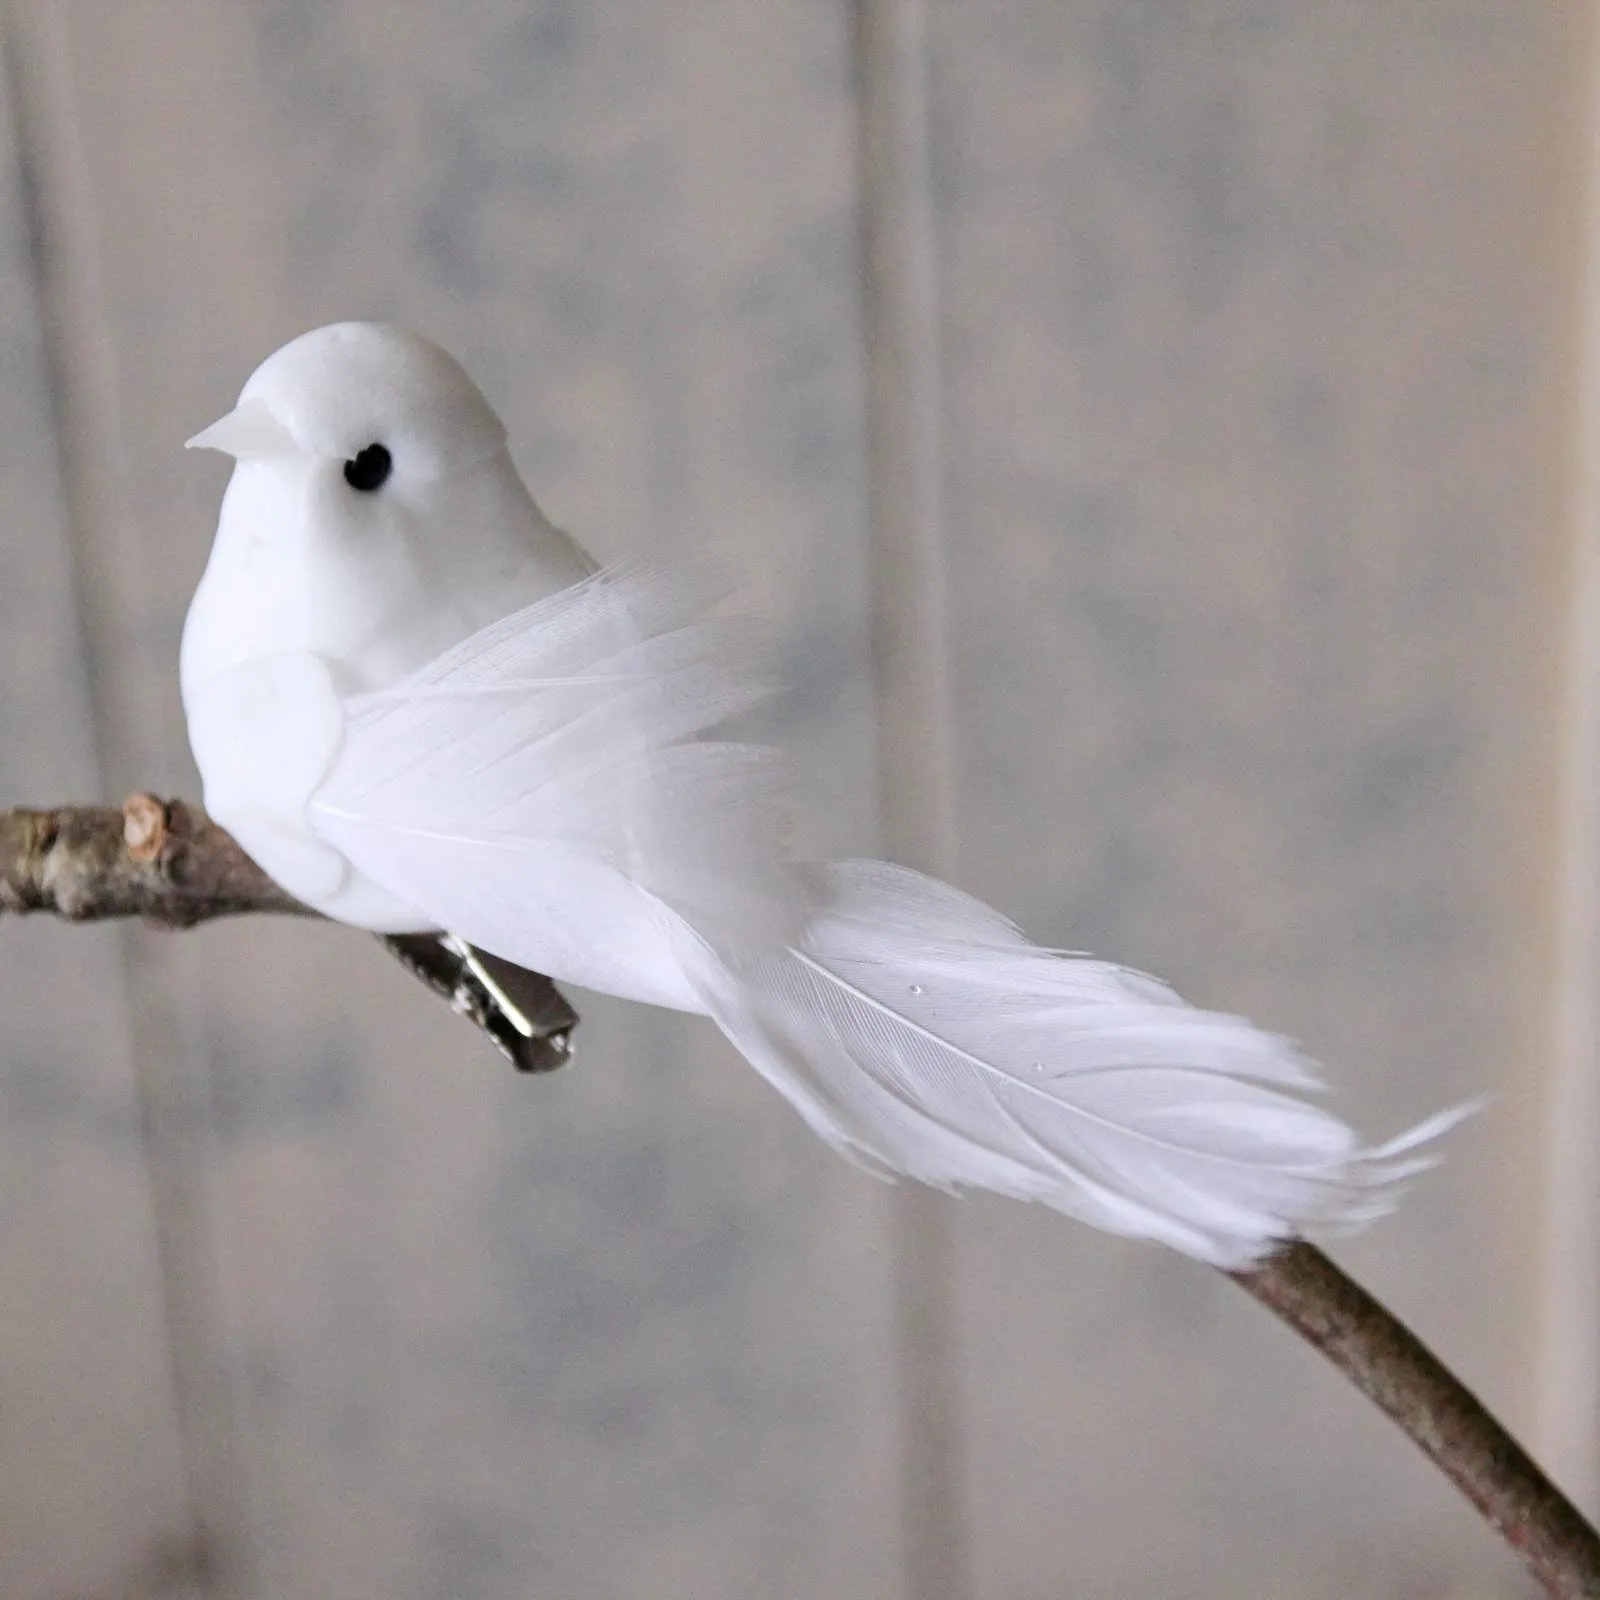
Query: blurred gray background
[[1186, 408]]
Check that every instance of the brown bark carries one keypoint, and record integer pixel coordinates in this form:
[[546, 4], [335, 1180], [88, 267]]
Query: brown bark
[[169, 863], [1447, 1422], [164, 861]]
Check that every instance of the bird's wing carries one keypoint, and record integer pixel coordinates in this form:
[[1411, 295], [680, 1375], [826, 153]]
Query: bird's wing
[[541, 789]]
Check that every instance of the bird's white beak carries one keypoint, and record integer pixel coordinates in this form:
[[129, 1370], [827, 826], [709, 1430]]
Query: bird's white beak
[[248, 432]]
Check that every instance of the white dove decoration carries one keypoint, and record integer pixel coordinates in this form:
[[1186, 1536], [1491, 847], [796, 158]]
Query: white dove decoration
[[420, 706]]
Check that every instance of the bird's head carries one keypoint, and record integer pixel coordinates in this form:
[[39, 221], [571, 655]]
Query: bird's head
[[374, 517], [368, 403]]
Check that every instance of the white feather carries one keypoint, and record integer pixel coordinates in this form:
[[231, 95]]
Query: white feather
[[540, 790], [916, 1026]]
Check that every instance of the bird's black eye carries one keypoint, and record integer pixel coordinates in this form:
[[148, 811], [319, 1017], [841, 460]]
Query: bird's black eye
[[368, 469]]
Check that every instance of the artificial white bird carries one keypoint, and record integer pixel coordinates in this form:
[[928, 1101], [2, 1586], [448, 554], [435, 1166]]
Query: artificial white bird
[[420, 706]]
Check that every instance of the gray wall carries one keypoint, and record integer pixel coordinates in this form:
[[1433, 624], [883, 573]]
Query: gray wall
[[1224, 488]]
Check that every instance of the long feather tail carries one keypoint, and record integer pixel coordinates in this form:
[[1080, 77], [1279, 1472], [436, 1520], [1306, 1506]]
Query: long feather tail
[[544, 791], [916, 1029]]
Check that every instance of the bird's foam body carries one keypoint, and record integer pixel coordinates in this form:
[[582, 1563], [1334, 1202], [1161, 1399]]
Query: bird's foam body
[[310, 579], [418, 705]]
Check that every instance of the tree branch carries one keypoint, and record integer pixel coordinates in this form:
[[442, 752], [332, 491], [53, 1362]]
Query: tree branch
[[161, 860], [1389, 1364], [169, 863]]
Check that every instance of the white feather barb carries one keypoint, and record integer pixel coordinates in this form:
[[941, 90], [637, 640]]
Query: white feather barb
[[915, 1027], [541, 790]]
